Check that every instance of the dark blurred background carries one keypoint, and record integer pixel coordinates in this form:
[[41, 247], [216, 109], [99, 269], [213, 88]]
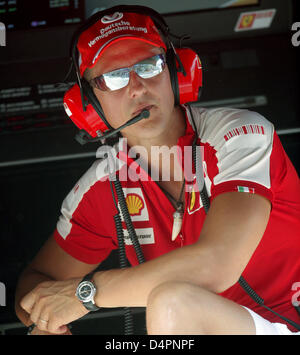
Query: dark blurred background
[[247, 64]]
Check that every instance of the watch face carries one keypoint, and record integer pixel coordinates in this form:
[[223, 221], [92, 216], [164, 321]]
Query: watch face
[[85, 291]]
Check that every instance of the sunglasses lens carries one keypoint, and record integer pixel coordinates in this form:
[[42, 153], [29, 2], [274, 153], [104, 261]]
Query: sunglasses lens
[[119, 78], [150, 67], [116, 79]]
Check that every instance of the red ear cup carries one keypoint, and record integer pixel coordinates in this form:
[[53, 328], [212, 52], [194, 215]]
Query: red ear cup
[[88, 120], [189, 85]]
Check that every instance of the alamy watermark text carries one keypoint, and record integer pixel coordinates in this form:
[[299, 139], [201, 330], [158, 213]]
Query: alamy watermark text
[[296, 35]]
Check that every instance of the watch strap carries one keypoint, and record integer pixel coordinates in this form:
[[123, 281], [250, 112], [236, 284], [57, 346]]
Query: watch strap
[[89, 277], [90, 306]]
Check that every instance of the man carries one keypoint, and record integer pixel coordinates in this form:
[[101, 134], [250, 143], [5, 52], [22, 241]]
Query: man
[[189, 282]]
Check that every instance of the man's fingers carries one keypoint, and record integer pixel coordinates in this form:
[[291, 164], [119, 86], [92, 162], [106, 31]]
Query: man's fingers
[[42, 324], [52, 305], [37, 331], [60, 330], [28, 301]]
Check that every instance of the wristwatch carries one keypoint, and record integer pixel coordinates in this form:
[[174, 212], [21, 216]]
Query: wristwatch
[[86, 291]]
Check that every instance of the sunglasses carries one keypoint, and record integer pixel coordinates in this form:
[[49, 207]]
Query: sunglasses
[[118, 79]]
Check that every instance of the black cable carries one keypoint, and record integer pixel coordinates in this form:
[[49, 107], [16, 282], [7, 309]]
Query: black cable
[[260, 301], [203, 193], [199, 171], [250, 291], [127, 219], [128, 317], [120, 233]]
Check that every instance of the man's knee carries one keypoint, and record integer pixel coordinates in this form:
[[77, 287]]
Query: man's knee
[[167, 305], [168, 294]]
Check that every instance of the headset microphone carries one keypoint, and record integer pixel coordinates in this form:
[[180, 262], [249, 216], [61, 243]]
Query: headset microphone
[[83, 137]]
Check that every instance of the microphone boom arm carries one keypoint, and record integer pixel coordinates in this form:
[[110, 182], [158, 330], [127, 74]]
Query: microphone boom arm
[[83, 137]]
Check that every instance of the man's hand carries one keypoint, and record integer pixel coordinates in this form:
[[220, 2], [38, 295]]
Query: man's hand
[[53, 304], [37, 331]]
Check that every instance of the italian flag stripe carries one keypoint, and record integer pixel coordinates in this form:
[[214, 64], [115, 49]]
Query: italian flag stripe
[[245, 189]]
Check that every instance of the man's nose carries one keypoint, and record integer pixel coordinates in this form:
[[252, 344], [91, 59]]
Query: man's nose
[[136, 85]]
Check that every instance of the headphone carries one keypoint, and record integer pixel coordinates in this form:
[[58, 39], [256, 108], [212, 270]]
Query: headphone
[[80, 102]]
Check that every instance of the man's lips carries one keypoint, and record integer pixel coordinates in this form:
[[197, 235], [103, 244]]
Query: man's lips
[[142, 108]]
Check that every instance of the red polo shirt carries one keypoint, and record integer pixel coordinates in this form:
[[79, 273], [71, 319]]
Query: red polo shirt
[[241, 152]]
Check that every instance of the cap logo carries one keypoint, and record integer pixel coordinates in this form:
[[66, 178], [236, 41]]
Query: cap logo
[[109, 19]]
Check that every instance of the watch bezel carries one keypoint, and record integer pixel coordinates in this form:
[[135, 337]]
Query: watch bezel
[[90, 297]]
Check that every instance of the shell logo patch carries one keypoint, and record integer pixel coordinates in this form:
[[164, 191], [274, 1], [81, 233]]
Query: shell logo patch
[[135, 204]]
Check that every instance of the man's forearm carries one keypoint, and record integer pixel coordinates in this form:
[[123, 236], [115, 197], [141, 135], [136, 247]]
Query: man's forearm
[[29, 279], [132, 286]]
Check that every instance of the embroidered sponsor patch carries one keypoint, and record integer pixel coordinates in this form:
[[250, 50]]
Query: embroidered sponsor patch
[[145, 236], [136, 204], [246, 129]]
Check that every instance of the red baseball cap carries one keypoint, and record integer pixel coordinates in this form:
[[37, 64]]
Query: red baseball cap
[[111, 28]]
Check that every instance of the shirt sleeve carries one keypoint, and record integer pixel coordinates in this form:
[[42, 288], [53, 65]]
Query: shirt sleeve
[[247, 154], [84, 229]]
